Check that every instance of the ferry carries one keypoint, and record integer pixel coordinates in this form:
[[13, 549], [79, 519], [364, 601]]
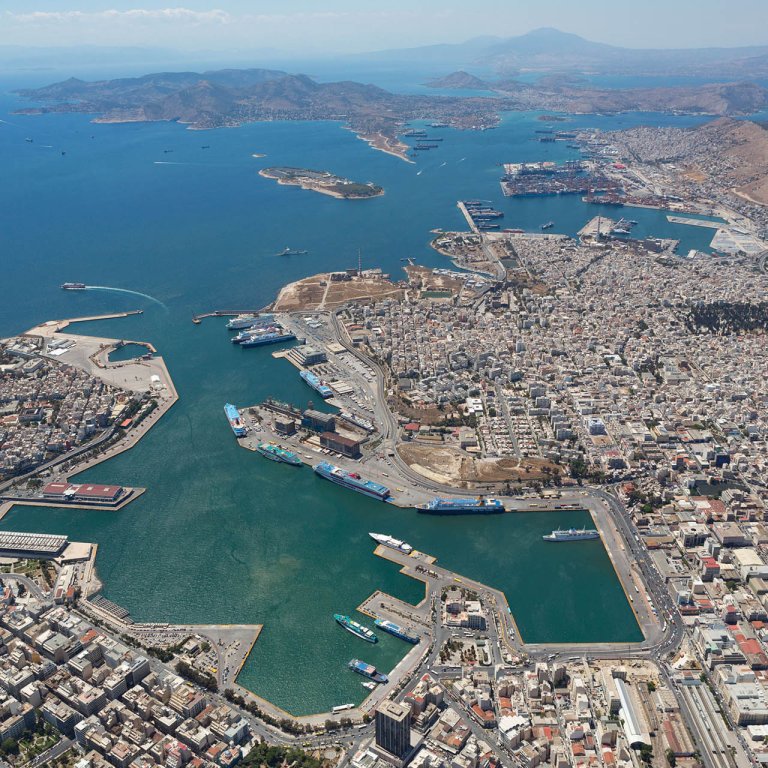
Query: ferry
[[548, 225], [277, 453], [358, 421], [272, 337], [358, 630], [392, 543], [248, 333], [73, 286], [367, 670], [479, 506], [397, 631], [572, 534], [291, 252], [233, 416], [317, 384], [351, 480]]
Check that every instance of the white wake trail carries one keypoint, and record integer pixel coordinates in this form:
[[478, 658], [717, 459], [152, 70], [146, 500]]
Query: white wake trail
[[125, 290]]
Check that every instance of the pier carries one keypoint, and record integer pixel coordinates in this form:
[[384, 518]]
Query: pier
[[695, 222]]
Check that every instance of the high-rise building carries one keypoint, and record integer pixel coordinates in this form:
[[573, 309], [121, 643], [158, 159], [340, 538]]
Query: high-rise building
[[393, 728]]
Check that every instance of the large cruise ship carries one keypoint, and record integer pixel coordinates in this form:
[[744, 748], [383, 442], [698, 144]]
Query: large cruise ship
[[479, 506], [277, 453], [351, 480], [233, 416], [392, 542], [367, 670], [358, 630], [269, 337], [313, 381], [249, 321], [572, 534], [396, 630]]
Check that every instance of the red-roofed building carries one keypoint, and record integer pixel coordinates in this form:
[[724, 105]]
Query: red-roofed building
[[95, 493], [710, 568], [59, 491]]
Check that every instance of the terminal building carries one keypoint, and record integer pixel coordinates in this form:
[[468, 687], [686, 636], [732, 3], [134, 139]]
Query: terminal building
[[38, 546], [86, 493]]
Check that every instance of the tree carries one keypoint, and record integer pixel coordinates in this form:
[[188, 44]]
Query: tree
[[671, 759]]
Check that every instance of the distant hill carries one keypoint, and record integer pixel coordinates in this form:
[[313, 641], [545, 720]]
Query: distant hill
[[460, 80]]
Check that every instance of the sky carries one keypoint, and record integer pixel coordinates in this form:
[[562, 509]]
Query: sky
[[301, 27]]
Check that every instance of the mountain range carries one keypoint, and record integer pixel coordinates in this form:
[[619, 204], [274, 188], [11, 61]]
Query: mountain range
[[547, 50]]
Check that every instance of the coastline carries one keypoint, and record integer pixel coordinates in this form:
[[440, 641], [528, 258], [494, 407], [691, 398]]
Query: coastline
[[382, 143], [304, 183]]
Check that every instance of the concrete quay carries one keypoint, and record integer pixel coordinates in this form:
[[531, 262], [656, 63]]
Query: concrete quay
[[7, 502]]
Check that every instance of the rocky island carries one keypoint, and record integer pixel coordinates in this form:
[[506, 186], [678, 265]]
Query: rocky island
[[323, 182]]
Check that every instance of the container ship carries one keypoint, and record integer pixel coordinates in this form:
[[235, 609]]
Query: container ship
[[271, 337], [392, 543], [367, 670], [397, 631], [73, 286], [572, 534], [313, 381], [358, 630], [480, 506], [233, 416], [351, 480], [276, 453]]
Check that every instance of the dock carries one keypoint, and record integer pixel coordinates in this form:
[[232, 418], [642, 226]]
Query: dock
[[470, 220]]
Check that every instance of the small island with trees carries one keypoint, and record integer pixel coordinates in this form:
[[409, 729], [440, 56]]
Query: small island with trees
[[322, 181]]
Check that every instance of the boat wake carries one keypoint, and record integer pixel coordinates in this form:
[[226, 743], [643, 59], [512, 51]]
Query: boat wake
[[462, 160], [418, 173], [442, 164], [125, 290]]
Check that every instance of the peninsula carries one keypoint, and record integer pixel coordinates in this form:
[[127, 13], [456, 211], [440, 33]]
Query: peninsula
[[324, 182]]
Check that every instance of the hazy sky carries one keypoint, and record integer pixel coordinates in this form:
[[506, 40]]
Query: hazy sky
[[309, 26]]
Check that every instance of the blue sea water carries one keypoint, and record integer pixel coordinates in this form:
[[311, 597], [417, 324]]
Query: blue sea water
[[222, 535]]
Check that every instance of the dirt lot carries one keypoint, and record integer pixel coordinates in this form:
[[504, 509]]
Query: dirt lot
[[447, 464], [320, 292]]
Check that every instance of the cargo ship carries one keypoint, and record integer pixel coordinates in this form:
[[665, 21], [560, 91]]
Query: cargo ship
[[276, 453], [313, 381], [367, 670], [397, 631], [572, 534], [271, 337], [351, 480], [358, 630], [392, 543], [73, 286], [480, 506], [233, 416]]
